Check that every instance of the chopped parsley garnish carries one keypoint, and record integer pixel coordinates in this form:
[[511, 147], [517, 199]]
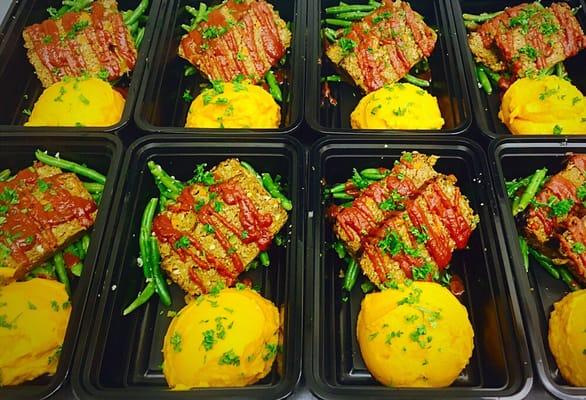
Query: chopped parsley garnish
[[529, 51], [420, 235], [218, 205], [393, 203], [411, 318], [54, 306], [372, 336], [187, 97], [347, 45], [55, 356], [84, 99], [358, 180], [76, 28], [548, 28], [412, 297], [43, 186], [421, 273], [393, 245], [31, 306], [578, 248], [218, 86], [5, 324], [399, 111], [208, 340], [271, 351], [182, 243], [557, 130], [407, 156], [47, 39], [244, 235], [208, 229], [375, 109], [213, 32], [9, 196], [103, 74], [229, 358], [200, 203], [202, 176], [176, 342], [27, 111], [381, 17], [547, 93], [393, 335]]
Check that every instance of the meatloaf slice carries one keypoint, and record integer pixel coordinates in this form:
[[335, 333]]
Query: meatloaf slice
[[244, 37], [78, 43], [382, 47], [42, 210], [211, 233], [419, 242], [557, 201], [573, 247], [541, 39], [378, 200]]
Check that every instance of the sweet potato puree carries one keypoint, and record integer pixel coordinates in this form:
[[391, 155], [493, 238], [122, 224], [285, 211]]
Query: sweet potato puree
[[397, 106], [234, 105], [33, 319], [414, 336], [567, 337], [220, 340], [543, 106]]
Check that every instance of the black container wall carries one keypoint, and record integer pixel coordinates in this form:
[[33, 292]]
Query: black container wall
[[103, 153], [20, 86], [446, 70], [161, 107], [500, 365], [486, 107], [515, 158], [122, 357]]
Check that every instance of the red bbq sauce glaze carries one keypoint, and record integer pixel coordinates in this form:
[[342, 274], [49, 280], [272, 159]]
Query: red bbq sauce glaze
[[43, 211], [70, 259]]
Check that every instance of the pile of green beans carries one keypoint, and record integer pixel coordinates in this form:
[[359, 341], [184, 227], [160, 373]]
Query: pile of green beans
[[343, 14], [341, 190], [556, 271], [270, 185], [274, 88], [135, 21], [487, 78], [198, 15]]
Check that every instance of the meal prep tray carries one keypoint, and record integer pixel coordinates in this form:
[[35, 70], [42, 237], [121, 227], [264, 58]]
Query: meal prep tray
[[103, 153], [515, 158], [445, 63], [500, 365], [160, 106], [120, 357], [21, 87], [486, 108]]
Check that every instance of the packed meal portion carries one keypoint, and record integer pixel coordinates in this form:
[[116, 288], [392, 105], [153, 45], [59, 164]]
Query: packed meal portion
[[550, 211], [46, 213], [522, 50], [206, 233], [82, 54], [401, 226], [374, 46], [240, 43]]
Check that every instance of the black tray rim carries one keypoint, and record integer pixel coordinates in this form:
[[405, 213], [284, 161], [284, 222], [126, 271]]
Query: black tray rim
[[312, 373], [83, 290], [480, 114], [313, 82], [530, 310], [298, 54], [20, 10], [80, 379]]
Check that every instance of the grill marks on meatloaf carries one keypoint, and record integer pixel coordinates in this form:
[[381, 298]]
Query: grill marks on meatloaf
[[389, 42], [541, 224], [212, 233], [528, 38], [42, 210], [354, 223], [437, 221], [81, 42], [239, 38], [573, 246]]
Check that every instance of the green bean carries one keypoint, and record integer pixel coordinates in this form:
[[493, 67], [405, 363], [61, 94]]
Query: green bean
[[347, 204], [173, 185], [274, 88], [560, 70], [330, 34], [348, 8], [480, 17], [4, 175], [416, 81], [332, 78], [569, 279], [144, 237], [339, 188], [514, 185], [531, 190], [192, 10], [483, 79], [342, 196], [351, 275], [265, 261], [139, 37], [141, 299], [186, 28], [138, 11], [471, 25], [251, 169], [85, 242], [77, 269], [61, 271], [493, 76], [201, 13], [373, 174], [70, 166], [133, 28], [545, 262], [189, 70], [97, 197], [160, 283], [338, 22], [339, 249], [352, 15], [524, 252], [273, 189], [93, 187]]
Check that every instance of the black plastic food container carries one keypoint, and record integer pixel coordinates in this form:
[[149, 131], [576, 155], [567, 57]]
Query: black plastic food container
[[122, 357], [514, 158], [21, 87], [103, 153], [161, 107], [500, 365], [448, 85], [486, 108]]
